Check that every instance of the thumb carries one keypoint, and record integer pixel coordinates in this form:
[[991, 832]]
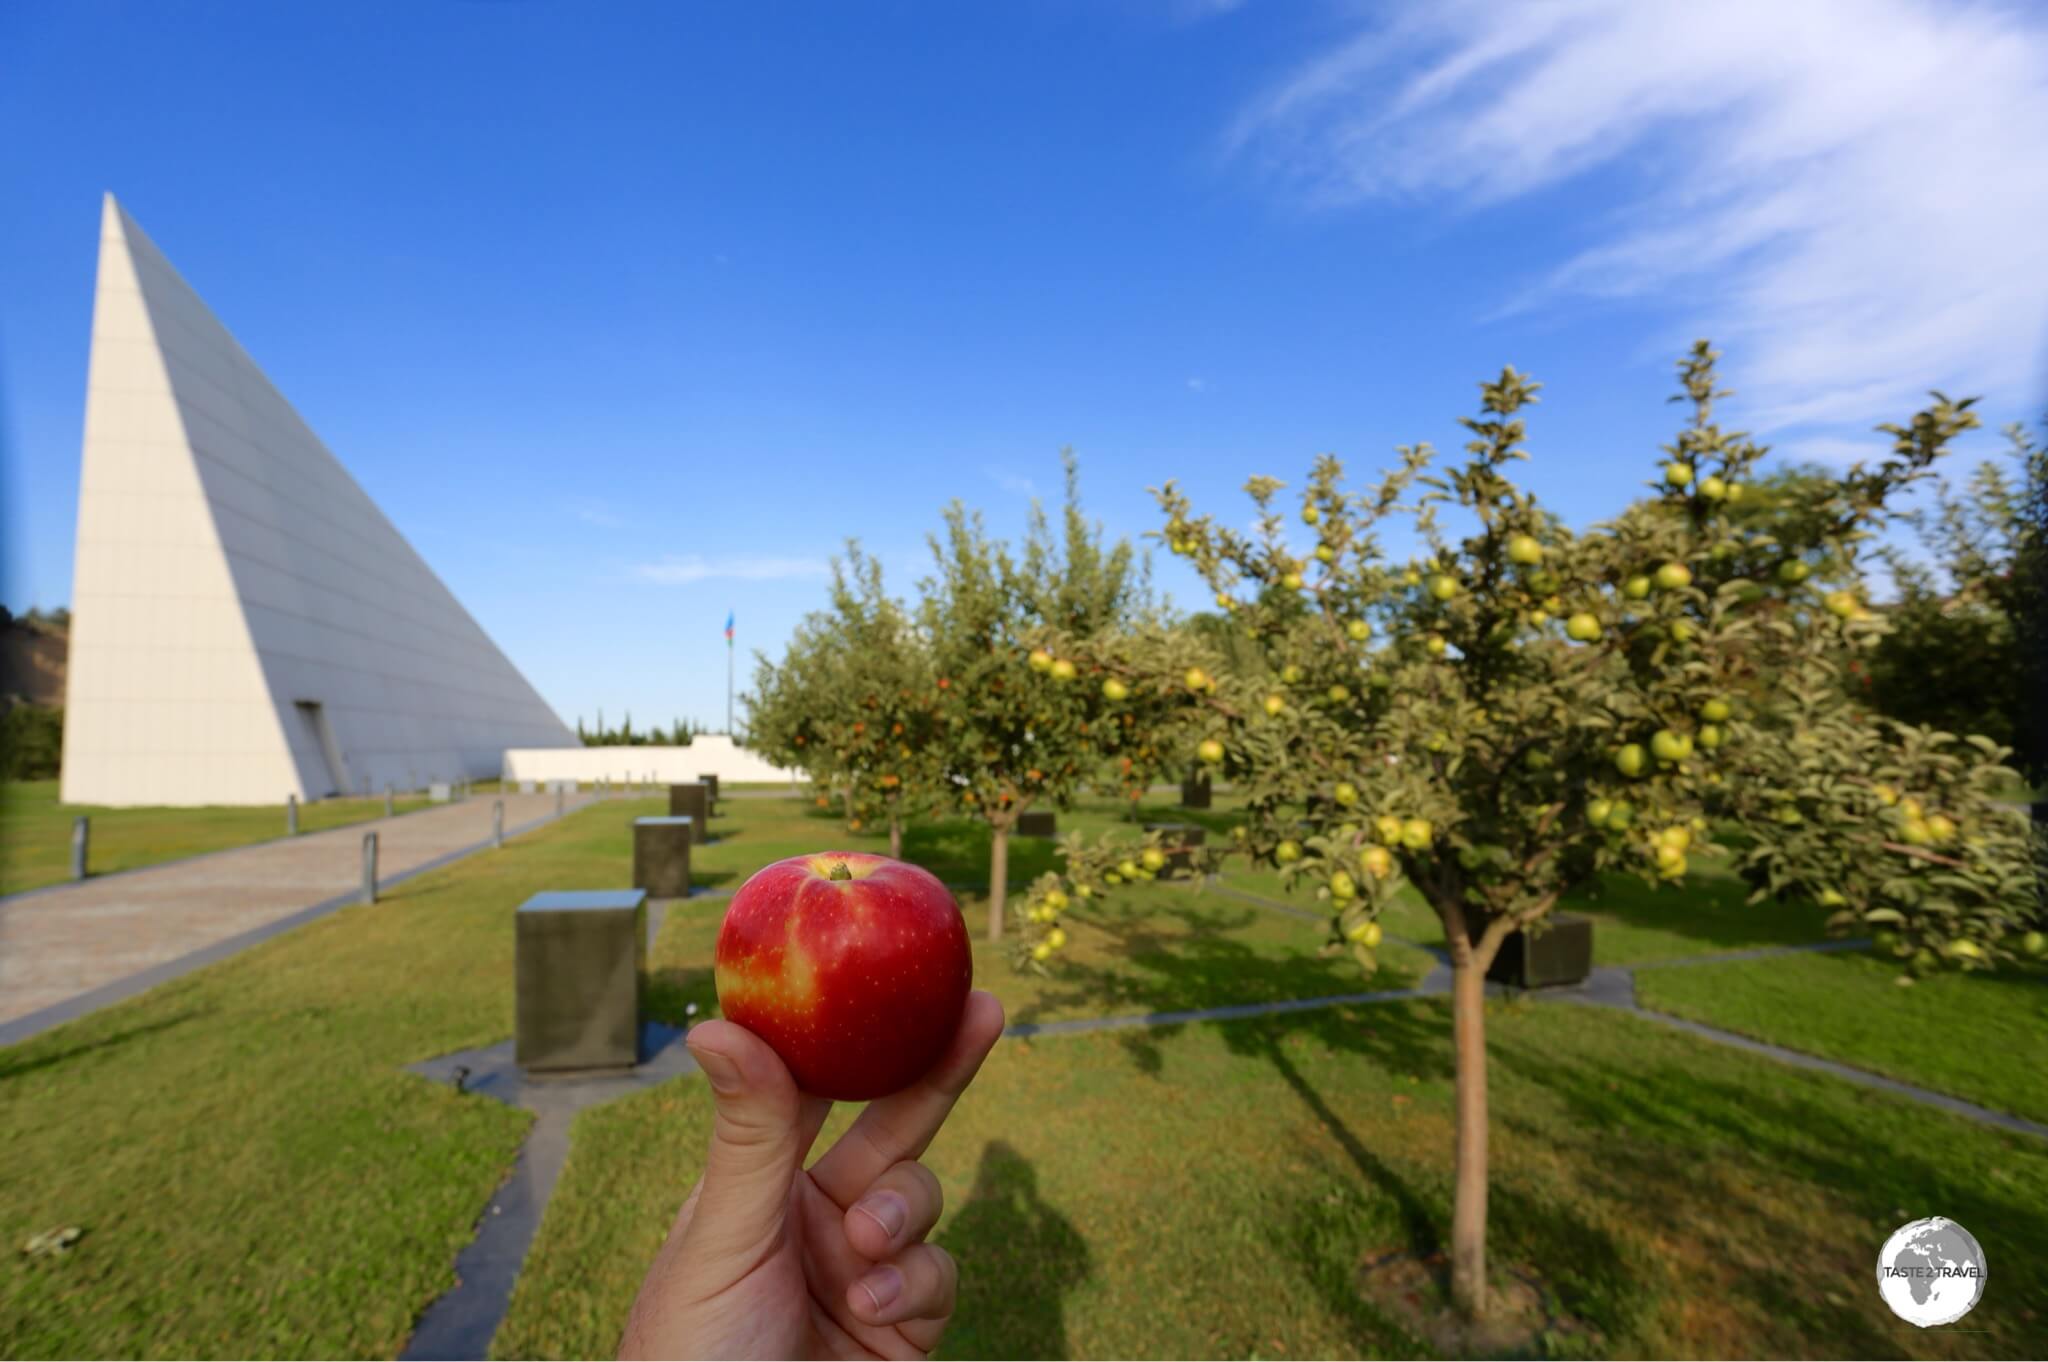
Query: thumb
[[755, 1142]]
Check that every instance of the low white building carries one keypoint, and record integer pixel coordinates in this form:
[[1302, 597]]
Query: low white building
[[712, 754]]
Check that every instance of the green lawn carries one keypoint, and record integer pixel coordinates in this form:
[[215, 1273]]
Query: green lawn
[[35, 831], [1633, 923], [1211, 1191], [1984, 1038], [255, 1175]]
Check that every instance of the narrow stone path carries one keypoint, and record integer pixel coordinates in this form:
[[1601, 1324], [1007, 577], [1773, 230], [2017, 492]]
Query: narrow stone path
[[67, 950], [462, 1321]]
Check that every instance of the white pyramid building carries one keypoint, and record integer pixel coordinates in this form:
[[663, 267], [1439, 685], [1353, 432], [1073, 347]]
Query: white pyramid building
[[246, 624]]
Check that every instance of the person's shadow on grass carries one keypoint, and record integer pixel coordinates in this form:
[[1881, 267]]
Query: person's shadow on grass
[[1018, 1259]]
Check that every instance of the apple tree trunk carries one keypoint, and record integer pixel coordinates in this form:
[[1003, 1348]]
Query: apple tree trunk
[[895, 838], [998, 878], [1468, 1198]]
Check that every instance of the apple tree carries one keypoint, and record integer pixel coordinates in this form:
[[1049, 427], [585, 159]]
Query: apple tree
[[1020, 726], [1951, 657], [852, 703], [785, 702], [1519, 708]]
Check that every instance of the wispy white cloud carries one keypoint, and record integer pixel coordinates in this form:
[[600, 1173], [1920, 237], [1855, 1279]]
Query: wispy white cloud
[[684, 569], [1848, 193], [1014, 483], [1196, 385]]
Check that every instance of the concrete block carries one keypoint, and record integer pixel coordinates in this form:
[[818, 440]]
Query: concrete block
[[692, 801], [661, 856], [1559, 955], [439, 793], [580, 969]]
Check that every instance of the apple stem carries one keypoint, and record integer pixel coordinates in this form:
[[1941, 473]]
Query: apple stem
[[839, 871]]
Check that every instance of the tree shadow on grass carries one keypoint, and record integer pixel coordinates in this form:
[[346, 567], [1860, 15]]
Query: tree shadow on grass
[[1175, 954], [1329, 1233], [1019, 1257], [1712, 909], [957, 851], [1707, 1150], [1714, 1177], [20, 1059]]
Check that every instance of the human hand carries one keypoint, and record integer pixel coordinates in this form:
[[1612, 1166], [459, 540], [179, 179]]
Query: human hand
[[770, 1259]]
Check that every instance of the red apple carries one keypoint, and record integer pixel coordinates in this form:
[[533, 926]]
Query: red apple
[[853, 967]]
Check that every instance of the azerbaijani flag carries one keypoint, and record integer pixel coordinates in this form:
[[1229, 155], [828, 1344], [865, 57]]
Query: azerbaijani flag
[[728, 626]]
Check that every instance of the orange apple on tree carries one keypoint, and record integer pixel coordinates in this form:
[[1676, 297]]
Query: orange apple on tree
[[853, 703]]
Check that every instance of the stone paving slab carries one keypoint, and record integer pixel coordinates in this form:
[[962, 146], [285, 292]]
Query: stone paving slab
[[65, 941]]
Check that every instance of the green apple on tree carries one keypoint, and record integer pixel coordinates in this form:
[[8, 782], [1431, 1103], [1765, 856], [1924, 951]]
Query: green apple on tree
[[1438, 742]]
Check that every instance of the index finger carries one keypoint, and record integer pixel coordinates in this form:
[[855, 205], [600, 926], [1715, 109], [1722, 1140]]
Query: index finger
[[901, 1125]]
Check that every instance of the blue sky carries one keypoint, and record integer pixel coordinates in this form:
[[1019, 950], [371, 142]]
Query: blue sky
[[629, 314]]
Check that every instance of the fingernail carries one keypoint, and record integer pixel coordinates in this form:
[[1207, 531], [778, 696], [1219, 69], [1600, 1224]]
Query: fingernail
[[883, 1285], [723, 1073], [887, 1210]]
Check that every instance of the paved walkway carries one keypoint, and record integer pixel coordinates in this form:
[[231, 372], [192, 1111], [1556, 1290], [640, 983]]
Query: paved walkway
[[68, 949]]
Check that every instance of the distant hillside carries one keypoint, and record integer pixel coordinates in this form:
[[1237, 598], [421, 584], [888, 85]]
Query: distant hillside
[[33, 649]]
